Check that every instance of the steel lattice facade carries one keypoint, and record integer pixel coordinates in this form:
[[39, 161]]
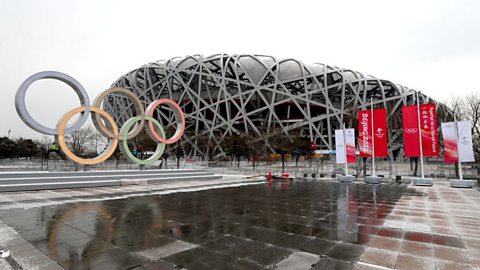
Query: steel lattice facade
[[225, 94]]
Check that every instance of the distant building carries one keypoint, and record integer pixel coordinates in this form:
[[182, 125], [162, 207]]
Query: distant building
[[259, 95]]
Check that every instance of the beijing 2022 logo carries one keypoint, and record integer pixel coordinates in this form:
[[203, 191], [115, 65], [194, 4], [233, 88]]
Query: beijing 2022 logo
[[154, 129]]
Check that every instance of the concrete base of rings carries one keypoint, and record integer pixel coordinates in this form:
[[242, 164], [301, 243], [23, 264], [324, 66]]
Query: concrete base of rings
[[58, 180]]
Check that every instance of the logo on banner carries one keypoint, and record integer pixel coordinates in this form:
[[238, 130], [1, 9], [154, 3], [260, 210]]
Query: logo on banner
[[411, 130], [464, 141], [380, 133]]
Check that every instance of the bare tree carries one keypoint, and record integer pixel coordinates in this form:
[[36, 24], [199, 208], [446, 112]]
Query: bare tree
[[472, 107], [236, 146], [457, 105], [255, 148], [142, 144], [81, 141], [283, 144], [206, 146], [44, 144]]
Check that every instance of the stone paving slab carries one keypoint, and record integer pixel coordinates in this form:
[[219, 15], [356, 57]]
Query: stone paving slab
[[25, 255], [231, 224], [33, 198]]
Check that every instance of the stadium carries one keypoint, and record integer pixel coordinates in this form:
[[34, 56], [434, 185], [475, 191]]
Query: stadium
[[260, 95]]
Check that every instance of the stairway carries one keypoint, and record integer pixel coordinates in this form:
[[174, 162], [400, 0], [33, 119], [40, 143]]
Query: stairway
[[27, 181]]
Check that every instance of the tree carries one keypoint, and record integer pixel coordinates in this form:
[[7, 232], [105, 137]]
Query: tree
[[301, 146], [81, 141], [255, 148], [235, 146], [164, 159], [179, 153], [26, 148], [142, 144], [472, 108], [205, 146], [282, 144], [7, 147], [44, 145]]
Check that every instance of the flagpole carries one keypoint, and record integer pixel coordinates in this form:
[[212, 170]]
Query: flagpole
[[345, 146], [420, 136], [373, 137], [460, 173]]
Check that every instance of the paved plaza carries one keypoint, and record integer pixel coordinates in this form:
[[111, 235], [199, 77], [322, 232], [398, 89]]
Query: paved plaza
[[234, 224]]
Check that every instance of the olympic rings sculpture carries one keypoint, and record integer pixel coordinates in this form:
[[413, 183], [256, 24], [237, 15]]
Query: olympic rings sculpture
[[154, 129]]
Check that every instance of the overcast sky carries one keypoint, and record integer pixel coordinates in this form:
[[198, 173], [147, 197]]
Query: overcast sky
[[431, 46]]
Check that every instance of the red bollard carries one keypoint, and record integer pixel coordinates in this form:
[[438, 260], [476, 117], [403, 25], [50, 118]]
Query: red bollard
[[269, 176]]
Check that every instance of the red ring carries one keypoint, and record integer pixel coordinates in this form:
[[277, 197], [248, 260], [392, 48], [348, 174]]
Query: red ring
[[180, 119]]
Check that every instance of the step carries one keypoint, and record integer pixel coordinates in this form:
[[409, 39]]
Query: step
[[180, 178], [46, 180], [82, 177], [57, 185], [89, 173]]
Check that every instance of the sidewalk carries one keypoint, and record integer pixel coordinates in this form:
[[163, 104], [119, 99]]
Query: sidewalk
[[29, 199], [318, 224]]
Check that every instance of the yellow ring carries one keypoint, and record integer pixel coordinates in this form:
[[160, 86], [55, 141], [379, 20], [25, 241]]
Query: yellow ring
[[85, 161], [62, 219]]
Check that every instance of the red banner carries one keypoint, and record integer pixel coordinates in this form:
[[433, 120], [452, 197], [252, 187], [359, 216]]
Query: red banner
[[379, 129], [364, 133], [411, 140], [351, 157], [428, 124]]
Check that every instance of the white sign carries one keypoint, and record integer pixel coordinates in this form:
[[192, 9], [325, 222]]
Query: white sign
[[465, 145], [460, 144], [340, 146], [340, 142]]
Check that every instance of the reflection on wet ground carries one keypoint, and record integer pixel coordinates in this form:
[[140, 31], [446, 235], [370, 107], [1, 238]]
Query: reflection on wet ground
[[306, 225]]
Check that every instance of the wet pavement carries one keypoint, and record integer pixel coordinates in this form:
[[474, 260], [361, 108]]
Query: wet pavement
[[287, 225]]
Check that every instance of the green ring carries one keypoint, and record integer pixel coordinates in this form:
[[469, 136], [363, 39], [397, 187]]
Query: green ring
[[124, 145], [120, 232]]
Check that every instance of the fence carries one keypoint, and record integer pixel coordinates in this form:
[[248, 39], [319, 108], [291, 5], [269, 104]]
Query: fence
[[433, 167], [390, 169]]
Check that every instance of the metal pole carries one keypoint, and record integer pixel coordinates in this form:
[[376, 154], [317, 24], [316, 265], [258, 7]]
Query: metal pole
[[96, 141], [460, 173], [420, 137], [345, 146], [373, 138]]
